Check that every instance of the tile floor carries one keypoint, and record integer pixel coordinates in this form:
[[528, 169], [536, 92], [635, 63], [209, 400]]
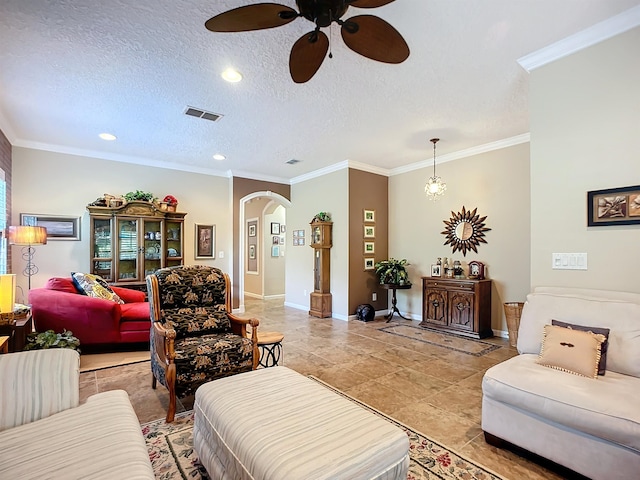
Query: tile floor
[[432, 389]]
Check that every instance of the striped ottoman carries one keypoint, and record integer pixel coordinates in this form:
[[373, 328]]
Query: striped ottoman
[[276, 424]]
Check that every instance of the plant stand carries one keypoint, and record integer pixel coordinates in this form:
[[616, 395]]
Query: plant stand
[[394, 300]]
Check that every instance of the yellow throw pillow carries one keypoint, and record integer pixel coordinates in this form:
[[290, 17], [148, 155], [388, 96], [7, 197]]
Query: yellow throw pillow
[[94, 286], [571, 350]]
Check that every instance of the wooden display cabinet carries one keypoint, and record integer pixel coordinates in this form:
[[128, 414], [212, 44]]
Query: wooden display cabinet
[[132, 241], [320, 301], [459, 306]]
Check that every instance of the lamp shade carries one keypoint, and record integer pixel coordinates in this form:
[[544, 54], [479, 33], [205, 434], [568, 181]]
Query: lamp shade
[[7, 292], [27, 235]]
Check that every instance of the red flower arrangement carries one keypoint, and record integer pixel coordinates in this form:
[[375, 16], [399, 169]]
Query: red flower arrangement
[[170, 200]]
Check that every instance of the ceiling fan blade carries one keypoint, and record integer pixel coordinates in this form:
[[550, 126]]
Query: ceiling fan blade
[[252, 17], [370, 3], [307, 55], [375, 39]]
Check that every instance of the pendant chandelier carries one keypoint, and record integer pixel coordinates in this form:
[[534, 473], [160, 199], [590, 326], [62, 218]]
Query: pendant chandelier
[[435, 187]]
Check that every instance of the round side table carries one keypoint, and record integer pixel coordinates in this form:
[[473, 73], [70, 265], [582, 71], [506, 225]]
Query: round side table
[[270, 346]]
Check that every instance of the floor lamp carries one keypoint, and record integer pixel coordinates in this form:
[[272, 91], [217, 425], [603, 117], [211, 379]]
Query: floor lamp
[[28, 236]]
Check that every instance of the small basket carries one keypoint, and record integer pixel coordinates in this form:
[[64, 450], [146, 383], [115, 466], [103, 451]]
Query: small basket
[[512, 311]]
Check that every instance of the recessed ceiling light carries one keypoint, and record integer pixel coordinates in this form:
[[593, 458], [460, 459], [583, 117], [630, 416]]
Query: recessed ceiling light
[[107, 136], [231, 75], [218, 156]]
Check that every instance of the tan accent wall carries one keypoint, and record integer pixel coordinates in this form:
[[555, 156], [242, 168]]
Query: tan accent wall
[[241, 188], [367, 191], [497, 184], [585, 135]]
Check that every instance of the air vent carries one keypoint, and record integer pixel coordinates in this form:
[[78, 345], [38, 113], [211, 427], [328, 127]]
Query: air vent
[[197, 112], [293, 161]]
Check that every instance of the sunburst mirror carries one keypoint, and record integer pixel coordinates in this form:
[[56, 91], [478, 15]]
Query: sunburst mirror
[[465, 231]]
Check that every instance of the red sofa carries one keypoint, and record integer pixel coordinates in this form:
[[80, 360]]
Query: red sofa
[[94, 321]]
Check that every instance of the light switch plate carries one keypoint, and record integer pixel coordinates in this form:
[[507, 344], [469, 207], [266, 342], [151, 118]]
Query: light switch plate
[[569, 261]]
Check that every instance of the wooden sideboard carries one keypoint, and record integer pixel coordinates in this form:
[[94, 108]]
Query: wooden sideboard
[[459, 306]]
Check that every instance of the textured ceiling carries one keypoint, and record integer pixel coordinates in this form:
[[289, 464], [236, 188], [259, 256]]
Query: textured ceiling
[[71, 69]]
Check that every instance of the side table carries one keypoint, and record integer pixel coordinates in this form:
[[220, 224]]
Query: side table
[[4, 344], [18, 332], [394, 309], [270, 346]]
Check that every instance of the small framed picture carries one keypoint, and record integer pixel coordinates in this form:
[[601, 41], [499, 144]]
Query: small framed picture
[[369, 247], [275, 240], [205, 237], [295, 233], [436, 270], [301, 241], [252, 230], [283, 228], [370, 216], [275, 251], [295, 241], [252, 252], [281, 240], [369, 263], [369, 231], [275, 228], [301, 233]]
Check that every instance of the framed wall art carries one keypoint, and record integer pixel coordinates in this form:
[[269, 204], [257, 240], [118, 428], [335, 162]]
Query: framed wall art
[[369, 247], [369, 231], [59, 227], [369, 263], [252, 230], [275, 228], [275, 251], [370, 216], [436, 270], [614, 206], [252, 252], [205, 237]]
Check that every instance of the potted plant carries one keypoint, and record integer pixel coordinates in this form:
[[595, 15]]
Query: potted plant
[[322, 217], [51, 339], [169, 203], [139, 195], [393, 272]]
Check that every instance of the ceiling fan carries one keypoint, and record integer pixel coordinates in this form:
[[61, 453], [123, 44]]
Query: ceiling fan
[[367, 35]]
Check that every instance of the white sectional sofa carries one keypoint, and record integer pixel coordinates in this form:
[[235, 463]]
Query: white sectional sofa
[[591, 426], [45, 433]]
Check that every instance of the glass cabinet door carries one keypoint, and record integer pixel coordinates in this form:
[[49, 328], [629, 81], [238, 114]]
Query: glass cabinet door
[[127, 249], [152, 246], [102, 254], [173, 243]]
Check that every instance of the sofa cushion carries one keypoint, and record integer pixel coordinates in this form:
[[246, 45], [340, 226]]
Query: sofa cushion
[[94, 286], [602, 364], [571, 351], [129, 295], [135, 312], [193, 321], [579, 403], [99, 439], [620, 316], [61, 284]]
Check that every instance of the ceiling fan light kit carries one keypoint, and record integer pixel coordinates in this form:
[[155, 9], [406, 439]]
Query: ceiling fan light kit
[[367, 35]]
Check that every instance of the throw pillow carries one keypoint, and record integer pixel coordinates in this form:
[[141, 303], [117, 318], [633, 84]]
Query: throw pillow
[[571, 351], [94, 286], [602, 365]]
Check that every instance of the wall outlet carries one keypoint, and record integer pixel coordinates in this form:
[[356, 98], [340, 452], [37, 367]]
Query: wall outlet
[[374, 296], [220, 254]]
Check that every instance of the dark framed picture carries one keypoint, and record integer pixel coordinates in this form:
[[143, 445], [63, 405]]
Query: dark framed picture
[[369, 263], [252, 230], [275, 228], [205, 237], [59, 227], [275, 240], [613, 206]]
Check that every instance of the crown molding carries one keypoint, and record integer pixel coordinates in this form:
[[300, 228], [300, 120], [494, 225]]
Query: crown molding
[[468, 152], [590, 36], [255, 176], [340, 166], [117, 158], [5, 127]]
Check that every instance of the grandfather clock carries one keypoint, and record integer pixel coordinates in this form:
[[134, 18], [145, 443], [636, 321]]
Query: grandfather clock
[[321, 244]]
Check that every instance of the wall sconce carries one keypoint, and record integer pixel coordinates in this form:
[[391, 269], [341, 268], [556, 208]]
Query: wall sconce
[[28, 236], [435, 187]]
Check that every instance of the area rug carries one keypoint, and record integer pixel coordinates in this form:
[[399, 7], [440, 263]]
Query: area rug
[[98, 361], [172, 456], [468, 346]]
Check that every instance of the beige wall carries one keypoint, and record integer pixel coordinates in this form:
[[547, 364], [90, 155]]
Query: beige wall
[[497, 184], [61, 184], [252, 280], [274, 267], [585, 135], [328, 193]]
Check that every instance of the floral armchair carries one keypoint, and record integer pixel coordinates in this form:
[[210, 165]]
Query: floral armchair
[[194, 336]]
